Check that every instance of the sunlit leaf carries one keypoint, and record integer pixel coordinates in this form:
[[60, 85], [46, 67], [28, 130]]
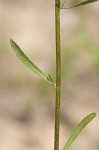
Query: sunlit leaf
[[78, 129], [22, 56], [80, 4]]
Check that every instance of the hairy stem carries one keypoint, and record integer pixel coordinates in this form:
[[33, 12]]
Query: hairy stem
[[58, 74]]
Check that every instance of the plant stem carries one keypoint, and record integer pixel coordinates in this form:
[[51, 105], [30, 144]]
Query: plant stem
[[58, 74]]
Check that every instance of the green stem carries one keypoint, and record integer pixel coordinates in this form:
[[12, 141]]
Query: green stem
[[58, 74]]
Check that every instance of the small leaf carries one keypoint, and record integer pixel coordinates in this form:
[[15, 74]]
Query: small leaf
[[78, 129], [82, 3], [22, 56]]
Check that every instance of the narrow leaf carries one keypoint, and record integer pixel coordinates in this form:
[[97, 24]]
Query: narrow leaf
[[22, 56], [82, 3], [78, 129]]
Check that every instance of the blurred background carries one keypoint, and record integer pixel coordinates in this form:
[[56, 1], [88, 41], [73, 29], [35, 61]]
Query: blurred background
[[26, 101]]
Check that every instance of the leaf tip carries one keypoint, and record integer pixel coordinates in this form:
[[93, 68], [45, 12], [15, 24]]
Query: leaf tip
[[11, 42], [93, 115]]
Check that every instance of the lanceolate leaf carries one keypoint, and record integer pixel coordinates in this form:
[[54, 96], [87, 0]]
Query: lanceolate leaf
[[78, 129], [22, 56], [82, 3]]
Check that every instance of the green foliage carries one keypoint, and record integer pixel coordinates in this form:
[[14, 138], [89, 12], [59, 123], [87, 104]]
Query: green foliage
[[80, 4], [22, 56], [78, 129]]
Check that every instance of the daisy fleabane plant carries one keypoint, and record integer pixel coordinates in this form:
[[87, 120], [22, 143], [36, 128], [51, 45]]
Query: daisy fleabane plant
[[57, 85]]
